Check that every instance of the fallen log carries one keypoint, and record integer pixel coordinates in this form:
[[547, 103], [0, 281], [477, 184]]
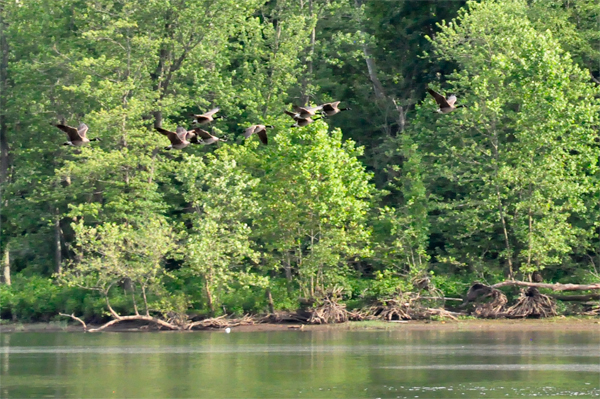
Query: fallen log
[[576, 298], [554, 287], [120, 319]]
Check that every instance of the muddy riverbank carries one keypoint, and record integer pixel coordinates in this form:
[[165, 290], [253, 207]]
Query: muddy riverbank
[[548, 324]]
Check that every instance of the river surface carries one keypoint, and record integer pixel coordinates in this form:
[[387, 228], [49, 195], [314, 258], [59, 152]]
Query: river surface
[[301, 364]]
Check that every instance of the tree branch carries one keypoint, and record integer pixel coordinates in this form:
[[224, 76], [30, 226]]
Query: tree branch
[[75, 318]]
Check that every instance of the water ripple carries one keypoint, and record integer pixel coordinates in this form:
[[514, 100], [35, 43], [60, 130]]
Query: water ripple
[[592, 368], [424, 350]]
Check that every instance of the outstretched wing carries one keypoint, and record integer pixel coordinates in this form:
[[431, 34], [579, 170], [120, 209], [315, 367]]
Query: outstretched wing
[[212, 111], [313, 109], [294, 115], [451, 100], [172, 136], [82, 129], [439, 99], [249, 131], [203, 134], [71, 132], [330, 106], [181, 132], [262, 135]]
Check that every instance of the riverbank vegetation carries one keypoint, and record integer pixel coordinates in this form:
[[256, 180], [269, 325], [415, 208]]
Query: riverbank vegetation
[[386, 211]]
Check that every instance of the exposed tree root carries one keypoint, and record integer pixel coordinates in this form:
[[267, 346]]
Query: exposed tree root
[[532, 303], [406, 307], [390, 309], [594, 311], [282, 317], [329, 312], [494, 308]]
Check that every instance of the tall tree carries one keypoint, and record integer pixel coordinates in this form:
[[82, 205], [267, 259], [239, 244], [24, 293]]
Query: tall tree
[[511, 171]]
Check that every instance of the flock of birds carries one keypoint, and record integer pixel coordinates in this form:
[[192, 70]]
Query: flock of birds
[[182, 137]]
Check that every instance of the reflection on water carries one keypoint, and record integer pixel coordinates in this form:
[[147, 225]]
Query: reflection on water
[[301, 364]]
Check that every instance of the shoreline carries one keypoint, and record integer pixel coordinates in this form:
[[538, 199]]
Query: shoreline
[[559, 323]]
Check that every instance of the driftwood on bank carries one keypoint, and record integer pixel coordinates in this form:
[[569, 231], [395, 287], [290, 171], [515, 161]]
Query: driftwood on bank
[[220, 322], [554, 287], [576, 298]]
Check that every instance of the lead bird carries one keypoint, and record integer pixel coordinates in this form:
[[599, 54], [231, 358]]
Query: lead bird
[[179, 139], [260, 131], [446, 105], [331, 109], [77, 136]]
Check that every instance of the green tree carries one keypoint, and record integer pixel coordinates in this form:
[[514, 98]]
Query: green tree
[[315, 196], [218, 246], [510, 172]]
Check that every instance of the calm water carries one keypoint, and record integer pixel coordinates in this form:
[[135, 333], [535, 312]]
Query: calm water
[[298, 364]]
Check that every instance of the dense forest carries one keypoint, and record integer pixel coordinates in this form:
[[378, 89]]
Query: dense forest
[[382, 200]]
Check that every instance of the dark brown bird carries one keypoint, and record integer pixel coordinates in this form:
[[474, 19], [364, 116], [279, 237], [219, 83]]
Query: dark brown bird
[[179, 139], [207, 117], [537, 277], [77, 136], [207, 138], [260, 131], [331, 109], [446, 105]]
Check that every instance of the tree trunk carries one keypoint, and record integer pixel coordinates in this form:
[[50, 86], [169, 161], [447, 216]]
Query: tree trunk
[[57, 250], [287, 266], [372, 69], [4, 151], [270, 300], [6, 272], [309, 62], [211, 305], [501, 208]]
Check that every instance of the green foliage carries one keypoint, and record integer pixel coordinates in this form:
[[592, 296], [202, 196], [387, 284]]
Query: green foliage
[[520, 161], [315, 197], [386, 285], [41, 299]]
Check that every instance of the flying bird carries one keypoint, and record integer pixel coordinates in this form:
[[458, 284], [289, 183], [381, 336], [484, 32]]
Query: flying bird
[[331, 109], [306, 112], [207, 117], [206, 137], [260, 131], [179, 139], [299, 121], [446, 105], [77, 136]]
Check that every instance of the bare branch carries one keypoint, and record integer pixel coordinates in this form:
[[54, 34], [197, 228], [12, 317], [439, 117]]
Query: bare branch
[[75, 318], [130, 318]]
